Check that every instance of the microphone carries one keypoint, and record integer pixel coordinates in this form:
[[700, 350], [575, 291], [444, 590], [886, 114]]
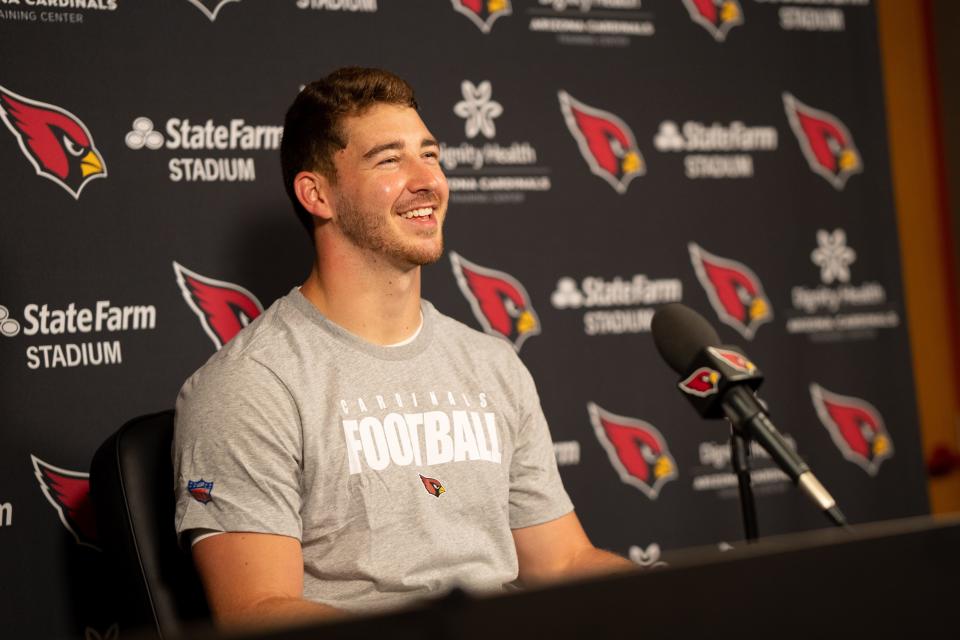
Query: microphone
[[720, 381]]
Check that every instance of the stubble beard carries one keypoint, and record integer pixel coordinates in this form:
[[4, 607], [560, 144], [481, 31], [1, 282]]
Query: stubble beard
[[371, 231]]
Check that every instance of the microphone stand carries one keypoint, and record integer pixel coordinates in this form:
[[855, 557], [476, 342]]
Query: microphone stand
[[740, 458]]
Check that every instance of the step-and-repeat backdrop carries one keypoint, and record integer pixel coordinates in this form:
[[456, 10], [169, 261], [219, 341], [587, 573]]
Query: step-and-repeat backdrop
[[604, 157]]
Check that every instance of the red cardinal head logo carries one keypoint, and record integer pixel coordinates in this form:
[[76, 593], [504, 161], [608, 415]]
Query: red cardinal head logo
[[701, 383], [69, 493], [855, 426], [224, 308], [825, 141], [432, 485], [483, 13], [210, 8], [498, 300], [636, 449], [56, 142], [716, 16], [734, 291], [736, 360], [605, 141]]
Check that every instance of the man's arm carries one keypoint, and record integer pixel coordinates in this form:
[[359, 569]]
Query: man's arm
[[560, 549], [256, 579]]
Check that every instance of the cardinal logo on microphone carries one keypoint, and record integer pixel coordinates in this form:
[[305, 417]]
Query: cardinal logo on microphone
[[736, 360], [637, 450], [701, 383], [825, 141], [734, 291], [855, 426]]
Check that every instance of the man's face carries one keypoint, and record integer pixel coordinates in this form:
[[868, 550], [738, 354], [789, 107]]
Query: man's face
[[391, 195]]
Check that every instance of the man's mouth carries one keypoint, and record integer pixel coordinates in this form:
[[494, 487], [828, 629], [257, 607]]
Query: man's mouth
[[422, 212]]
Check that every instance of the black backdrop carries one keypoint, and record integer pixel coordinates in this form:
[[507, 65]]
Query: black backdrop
[[633, 152]]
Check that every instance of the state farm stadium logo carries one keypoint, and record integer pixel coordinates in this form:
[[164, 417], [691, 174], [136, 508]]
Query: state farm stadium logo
[[714, 471], [715, 150], [208, 151], [481, 169], [351, 6], [483, 13], [595, 23], [211, 8], [806, 18], [636, 449], [718, 17], [614, 306], [734, 291], [55, 332], [57, 143], [499, 302], [605, 141], [825, 142], [855, 426], [223, 308], [837, 308]]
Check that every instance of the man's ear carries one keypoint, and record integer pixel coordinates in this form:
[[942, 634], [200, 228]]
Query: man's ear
[[313, 191]]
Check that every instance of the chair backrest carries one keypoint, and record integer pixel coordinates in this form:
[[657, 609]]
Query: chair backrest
[[131, 483]]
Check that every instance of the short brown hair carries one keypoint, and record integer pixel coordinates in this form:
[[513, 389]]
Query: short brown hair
[[312, 130]]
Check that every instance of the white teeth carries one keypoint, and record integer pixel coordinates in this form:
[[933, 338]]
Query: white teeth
[[417, 213]]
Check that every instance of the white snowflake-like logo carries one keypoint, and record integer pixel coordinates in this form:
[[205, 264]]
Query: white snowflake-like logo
[[833, 256], [478, 109]]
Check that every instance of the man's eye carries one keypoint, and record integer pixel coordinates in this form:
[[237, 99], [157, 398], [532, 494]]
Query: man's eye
[[390, 160]]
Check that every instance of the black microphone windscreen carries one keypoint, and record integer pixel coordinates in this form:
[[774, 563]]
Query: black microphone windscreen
[[680, 333]]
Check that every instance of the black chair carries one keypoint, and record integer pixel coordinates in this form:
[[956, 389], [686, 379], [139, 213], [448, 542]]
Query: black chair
[[131, 483]]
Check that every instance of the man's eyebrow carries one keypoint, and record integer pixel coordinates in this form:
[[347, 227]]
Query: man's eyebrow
[[397, 144]]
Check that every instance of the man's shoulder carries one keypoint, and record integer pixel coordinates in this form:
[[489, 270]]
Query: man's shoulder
[[258, 349], [453, 333]]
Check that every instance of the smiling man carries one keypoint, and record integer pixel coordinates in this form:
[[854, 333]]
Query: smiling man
[[353, 449]]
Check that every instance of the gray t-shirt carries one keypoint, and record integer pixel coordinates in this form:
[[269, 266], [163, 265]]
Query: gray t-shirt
[[400, 469]]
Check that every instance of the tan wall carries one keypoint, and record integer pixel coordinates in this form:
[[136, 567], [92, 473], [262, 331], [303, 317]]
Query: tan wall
[[921, 221]]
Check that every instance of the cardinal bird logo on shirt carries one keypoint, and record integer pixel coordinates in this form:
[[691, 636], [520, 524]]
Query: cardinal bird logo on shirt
[[224, 308], [432, 485], [636, 449], [69, 493], [56, 142], [483, 13], [499, 301], [605, 141], [825, 141], [210, 8], [855, 426], [716, 16], [734, 291]]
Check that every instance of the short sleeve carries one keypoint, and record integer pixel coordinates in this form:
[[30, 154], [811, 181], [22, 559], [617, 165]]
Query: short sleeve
[[536, 491], [237, 451]]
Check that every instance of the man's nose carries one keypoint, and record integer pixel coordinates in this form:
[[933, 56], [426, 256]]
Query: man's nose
[[424, 177]]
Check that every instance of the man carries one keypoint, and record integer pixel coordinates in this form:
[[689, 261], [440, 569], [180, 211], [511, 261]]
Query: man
[[364, 450]]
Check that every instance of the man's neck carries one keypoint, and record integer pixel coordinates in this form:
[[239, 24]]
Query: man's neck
[[367, 296]]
